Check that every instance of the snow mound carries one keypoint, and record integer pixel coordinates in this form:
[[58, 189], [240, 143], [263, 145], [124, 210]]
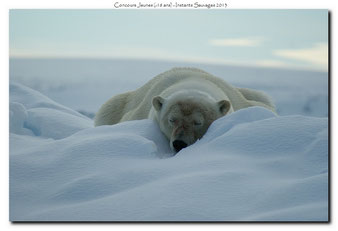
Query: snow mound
[[32, 112], [249, 166]]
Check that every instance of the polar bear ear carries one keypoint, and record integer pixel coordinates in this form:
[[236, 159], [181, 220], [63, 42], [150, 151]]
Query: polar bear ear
[[224, 106], [158, 102]]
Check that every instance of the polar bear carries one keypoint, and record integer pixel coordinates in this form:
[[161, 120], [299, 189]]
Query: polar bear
[[183, 101]]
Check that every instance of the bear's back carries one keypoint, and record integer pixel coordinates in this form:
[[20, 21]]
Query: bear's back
[[140, 101], [137, 104]]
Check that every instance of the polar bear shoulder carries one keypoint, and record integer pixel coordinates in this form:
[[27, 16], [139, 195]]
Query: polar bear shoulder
[[256, 96]]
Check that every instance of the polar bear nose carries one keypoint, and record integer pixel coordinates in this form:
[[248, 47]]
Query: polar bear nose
[[179, 144]]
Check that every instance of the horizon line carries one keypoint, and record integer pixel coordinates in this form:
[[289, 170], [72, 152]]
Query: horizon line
[[197, 61]]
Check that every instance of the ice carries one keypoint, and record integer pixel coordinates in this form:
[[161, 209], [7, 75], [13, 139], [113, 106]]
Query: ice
[[250, 166]]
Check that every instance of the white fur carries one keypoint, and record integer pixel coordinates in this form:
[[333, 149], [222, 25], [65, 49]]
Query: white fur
[[172, 85]]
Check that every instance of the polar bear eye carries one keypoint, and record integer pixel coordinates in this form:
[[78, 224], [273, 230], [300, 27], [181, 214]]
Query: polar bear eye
[[172, 120], [196, 123]]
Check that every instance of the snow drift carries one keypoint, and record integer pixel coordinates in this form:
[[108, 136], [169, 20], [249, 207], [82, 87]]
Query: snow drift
[[249, 166]]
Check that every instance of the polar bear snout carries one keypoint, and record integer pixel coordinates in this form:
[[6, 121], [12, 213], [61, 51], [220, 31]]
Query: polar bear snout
[[181, 137], [179, 145]]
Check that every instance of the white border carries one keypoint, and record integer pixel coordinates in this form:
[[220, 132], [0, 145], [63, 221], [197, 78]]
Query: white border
[[108, 4], [232, 4]]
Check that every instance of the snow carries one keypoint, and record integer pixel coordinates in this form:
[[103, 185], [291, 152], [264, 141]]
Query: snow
[[250, 166]]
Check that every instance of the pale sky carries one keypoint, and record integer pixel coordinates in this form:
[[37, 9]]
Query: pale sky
[[269, 38]]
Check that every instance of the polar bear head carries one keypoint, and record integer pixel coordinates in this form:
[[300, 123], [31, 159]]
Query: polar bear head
[[186, 119]]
